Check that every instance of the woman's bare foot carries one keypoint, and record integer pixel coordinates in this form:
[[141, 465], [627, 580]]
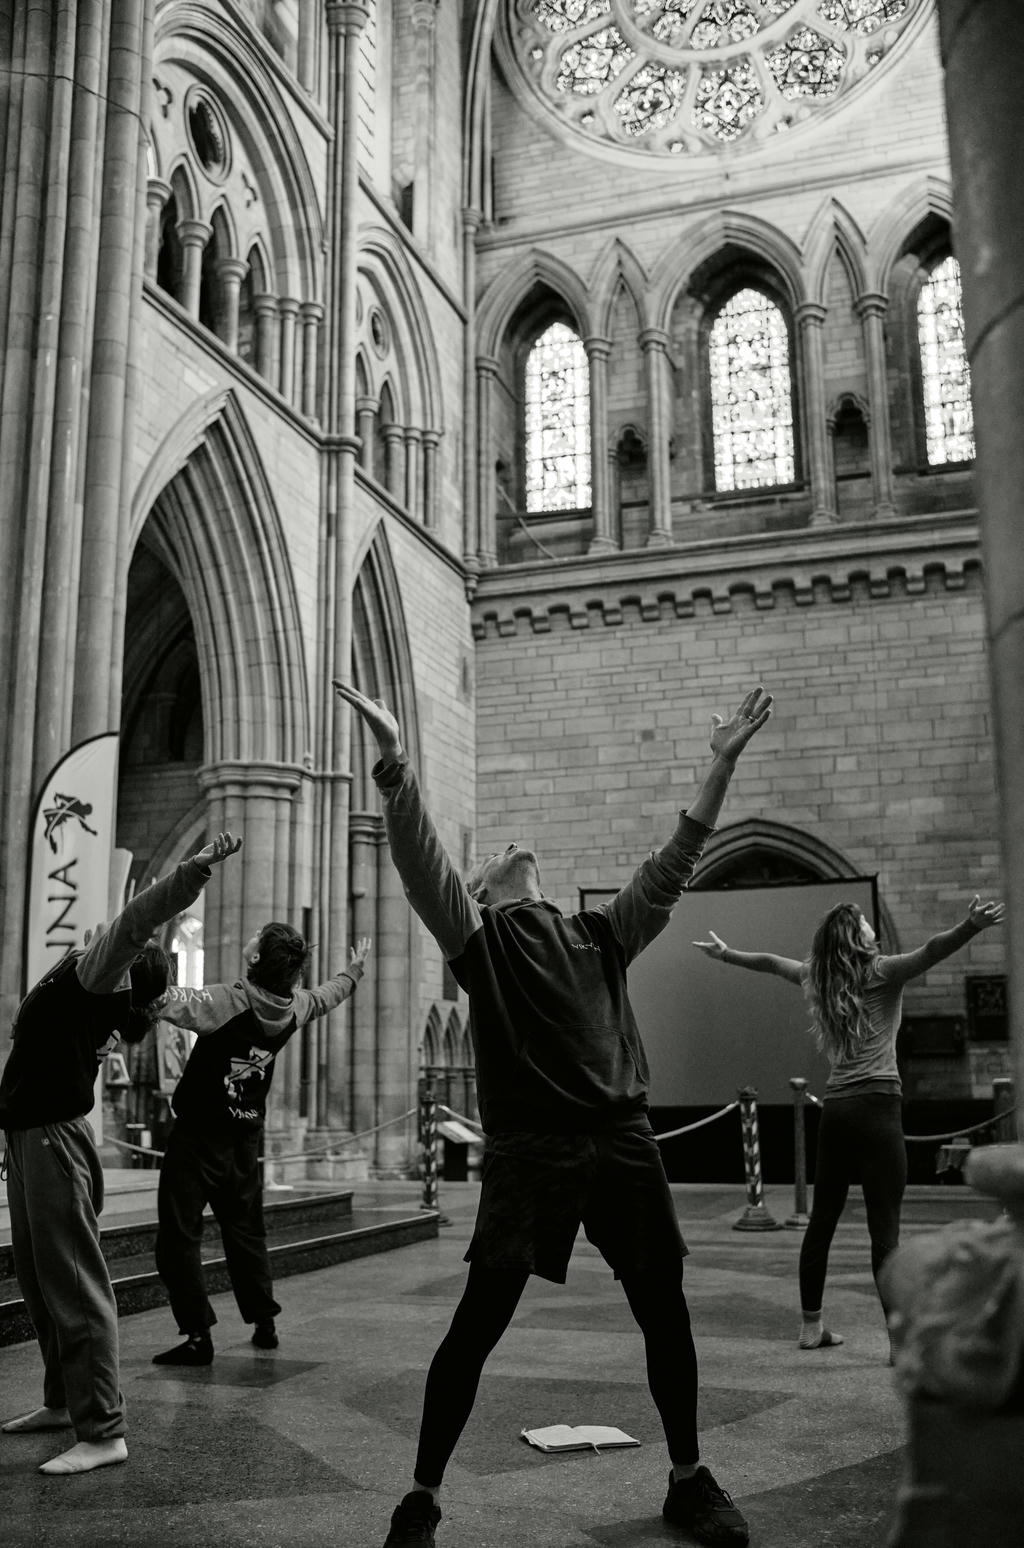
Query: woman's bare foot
[[87, 1455], [38, 1419]]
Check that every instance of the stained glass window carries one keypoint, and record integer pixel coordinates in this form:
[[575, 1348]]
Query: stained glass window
[[557, 422], [751, 394], [806, 65], [694, 77], [728, 100], [588, 66], [651, 98], [945, 373]]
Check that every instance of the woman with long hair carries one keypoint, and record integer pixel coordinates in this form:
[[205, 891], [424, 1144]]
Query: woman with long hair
[[855, 997]]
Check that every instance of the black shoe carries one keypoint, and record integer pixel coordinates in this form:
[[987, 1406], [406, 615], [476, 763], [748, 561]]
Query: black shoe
[[196, 1350], [698, 1503], [414, 1520], [264, 1335]]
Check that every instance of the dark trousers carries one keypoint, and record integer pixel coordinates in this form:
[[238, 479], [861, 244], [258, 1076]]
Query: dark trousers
[[55, 1193], [859, 1136], [222, 1171], [488, 1303]]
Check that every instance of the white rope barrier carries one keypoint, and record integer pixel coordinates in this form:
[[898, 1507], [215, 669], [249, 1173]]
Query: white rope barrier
[[470, 1123], [688, 1127], [327, 1151], [940, 1139]]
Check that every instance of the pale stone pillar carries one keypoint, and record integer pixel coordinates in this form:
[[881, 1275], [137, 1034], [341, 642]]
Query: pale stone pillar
[[471, 219], [366, 411], [194, 235], [393, 472], [486, 372], [230, 273], [654, 343], [265, 308], [157, 195], [424, 22], [413, 445], [871, 309], [810, 317], [964, 1484], [365, 830], [311, 313], [431, 441], [598, 351], [310, 23], [288, 311]]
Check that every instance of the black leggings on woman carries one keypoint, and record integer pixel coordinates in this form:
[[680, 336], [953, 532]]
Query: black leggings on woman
[[859, 1136], [488, 1303]]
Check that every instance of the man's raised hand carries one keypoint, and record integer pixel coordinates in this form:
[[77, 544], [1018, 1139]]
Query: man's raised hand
[[222, 846], [378, 718], [729, 737], [360, 951], [982, 915], [715, 947]]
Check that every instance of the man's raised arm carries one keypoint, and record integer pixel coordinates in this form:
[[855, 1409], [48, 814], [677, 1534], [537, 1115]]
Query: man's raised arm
[[641, 910], [432, 884]]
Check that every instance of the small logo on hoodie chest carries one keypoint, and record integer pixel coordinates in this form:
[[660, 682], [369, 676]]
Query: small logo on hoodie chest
[[584, 946]]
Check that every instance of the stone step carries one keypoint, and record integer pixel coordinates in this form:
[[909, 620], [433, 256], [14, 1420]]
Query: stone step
[[299, 1239]]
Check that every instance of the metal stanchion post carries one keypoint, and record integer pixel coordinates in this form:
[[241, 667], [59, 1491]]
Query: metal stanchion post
[[428, 1140], [755, 1217], [1002, 1104], [797, 1221]]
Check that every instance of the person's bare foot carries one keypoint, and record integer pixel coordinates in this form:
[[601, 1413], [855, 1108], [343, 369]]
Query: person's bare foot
[[87, 1455], [38, 1419]]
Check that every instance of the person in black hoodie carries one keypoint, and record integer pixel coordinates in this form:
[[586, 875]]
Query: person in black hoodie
[[562, 1080], [220, 1106], [64, 1028]]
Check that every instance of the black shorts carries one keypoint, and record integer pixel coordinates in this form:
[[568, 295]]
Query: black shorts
[[537, 1189]]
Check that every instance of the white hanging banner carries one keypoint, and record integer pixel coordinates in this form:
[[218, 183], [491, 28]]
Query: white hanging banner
[[72, 850]]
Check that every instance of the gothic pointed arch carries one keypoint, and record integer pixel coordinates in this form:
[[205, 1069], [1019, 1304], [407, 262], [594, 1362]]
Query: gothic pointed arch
[[397, 329], [210, 516], [616, 269], [887, 239], [724, 233], [535, 270], [832, 232]]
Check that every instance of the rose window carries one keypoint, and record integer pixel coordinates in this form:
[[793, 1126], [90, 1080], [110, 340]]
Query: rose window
[[684, 77]]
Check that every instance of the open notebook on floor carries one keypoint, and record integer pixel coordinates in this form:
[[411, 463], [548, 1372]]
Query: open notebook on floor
[[577, 1437]]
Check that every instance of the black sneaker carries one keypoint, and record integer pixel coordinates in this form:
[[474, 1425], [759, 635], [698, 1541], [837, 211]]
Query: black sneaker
[[265, 1335], [196, 1350], [698, 1503], [414, 1520]]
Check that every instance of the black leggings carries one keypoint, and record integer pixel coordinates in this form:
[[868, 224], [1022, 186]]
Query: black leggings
[[488, 1304], [858, 1135]]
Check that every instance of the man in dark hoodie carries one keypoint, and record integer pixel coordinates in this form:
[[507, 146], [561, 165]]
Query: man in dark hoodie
[[562, 1080], [64, 1029], [220, 1106]]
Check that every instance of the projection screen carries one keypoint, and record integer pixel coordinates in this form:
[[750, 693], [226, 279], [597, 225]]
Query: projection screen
[[709, 1029]]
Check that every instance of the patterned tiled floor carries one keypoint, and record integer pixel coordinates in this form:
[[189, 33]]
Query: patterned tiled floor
[[313, 1444]]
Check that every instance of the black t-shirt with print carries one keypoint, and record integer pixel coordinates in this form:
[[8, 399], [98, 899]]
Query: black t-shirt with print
[[226, 1081]]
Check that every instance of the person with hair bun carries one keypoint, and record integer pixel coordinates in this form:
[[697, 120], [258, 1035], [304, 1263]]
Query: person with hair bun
[[855, 996], [219, 1106]]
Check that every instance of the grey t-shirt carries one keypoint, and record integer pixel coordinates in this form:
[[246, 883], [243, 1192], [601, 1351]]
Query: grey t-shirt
[[872, 1064]]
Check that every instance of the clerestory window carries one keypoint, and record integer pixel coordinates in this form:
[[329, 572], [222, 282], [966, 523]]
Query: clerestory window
[[945, 372], [751, 394], [557, 405]]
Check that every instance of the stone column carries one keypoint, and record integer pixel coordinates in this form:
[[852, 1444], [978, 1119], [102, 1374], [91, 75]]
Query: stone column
[[487, 553], [654, 343], [964, 1484], [365, 831], [157, 195], [598, 351], [431, 441], [871, 309], [393, 471], [810, 319], [288, 311], [366, 411], [194, 235], [413, 442], [310, 23], [231, 272], [311, 314], [424, 23], [265, 308], [470, 436]]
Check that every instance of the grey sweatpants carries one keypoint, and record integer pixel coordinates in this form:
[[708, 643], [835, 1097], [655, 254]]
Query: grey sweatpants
[[55, 1193]]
